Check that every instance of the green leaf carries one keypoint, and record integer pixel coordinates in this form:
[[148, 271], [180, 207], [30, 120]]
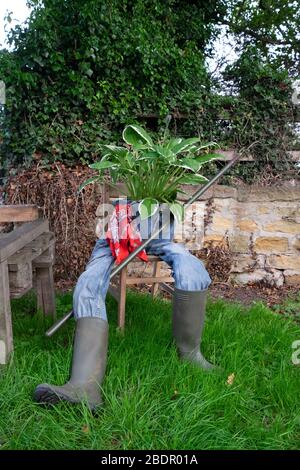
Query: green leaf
[[115, 150], [190, 145], [193, 179], [135, 135], [185, 145], [173, 142], [190, 164], [130, 159], [103, 165], [90, 180], [165, 152], [148, 155], [148, 207], [207, 145], [177, 210], [209, 157]]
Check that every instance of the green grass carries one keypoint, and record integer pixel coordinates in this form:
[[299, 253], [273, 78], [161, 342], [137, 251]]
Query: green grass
[[152, 400]]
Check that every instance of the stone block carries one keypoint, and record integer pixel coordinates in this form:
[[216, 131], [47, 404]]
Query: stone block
[[262, 209], [245, 263], [220, 223], [283, 226], [216, 191], [20, 277], [264, 194], [239, 243], [247, 225], [271, 245], [214, 240], [292, 278], [296, 244], [284, 262], [272, 277], [289, 212]]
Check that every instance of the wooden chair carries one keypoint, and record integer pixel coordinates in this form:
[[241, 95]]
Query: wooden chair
[[124, 279], [26, 261]]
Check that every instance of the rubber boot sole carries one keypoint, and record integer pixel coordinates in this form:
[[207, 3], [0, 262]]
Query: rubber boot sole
[[46, 395]]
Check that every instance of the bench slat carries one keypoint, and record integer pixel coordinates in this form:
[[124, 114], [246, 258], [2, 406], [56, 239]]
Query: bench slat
[[31, 251], [18, 213], [22, 235]]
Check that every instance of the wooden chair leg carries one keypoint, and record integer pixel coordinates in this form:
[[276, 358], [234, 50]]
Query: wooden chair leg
[[122, 299], [6, 334], [45, 290], [156, 273]]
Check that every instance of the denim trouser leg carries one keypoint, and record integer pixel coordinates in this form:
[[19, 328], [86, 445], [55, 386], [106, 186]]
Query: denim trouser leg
[[89, 295], [188, 271], [92, 285]]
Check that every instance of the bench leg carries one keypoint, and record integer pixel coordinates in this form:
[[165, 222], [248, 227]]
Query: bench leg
[[6, 334], [122, 299], [45, 290], [156, 272]]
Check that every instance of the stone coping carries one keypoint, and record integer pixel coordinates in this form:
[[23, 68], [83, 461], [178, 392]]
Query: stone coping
[[243, 193]]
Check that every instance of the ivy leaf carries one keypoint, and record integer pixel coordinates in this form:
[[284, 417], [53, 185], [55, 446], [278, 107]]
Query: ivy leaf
[[148, 207], [177, 210]]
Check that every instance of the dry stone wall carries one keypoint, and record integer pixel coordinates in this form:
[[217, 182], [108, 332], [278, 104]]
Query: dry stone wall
[[260, 226]]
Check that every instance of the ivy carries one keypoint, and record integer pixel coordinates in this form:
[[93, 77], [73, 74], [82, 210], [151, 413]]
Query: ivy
[[82, 69]]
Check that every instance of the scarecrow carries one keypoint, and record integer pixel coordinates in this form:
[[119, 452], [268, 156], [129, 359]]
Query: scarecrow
[[128, 229]]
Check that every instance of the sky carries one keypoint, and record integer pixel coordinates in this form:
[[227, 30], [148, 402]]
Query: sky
[[20, 13]]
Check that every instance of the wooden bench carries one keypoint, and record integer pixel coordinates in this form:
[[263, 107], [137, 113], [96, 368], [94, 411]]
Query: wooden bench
[[26, 261]]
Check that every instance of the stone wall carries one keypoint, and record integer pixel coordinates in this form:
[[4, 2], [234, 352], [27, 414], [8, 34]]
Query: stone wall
[[260, 226]]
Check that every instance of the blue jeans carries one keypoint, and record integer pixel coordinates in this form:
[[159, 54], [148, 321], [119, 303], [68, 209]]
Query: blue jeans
[[188, 271], [89, 295]]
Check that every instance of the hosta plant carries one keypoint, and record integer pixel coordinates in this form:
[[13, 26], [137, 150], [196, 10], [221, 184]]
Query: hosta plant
[[153, 172]]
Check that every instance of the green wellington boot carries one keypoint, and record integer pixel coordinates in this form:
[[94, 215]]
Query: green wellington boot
[[88, 367], [188, 320]]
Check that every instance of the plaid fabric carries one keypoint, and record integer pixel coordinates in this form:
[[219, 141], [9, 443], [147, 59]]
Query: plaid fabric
[[122, 234]]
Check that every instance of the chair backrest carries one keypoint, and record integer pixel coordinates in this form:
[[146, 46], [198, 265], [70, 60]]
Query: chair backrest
[[109, 193], [104, 210]]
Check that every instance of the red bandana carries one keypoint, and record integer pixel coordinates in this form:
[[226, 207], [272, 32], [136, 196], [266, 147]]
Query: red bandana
[[122, 236]]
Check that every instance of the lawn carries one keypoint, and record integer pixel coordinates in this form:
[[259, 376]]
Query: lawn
[[152, 400]]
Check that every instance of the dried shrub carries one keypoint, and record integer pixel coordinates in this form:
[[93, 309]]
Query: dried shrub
[[71, 215], [218, 260]]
